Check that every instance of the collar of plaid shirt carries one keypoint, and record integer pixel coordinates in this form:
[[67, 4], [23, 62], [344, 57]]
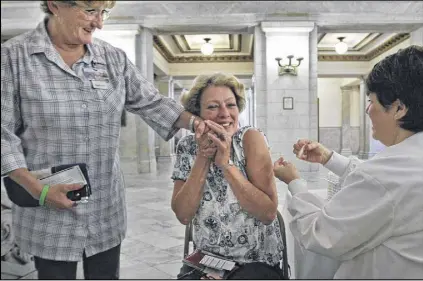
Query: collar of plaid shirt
[[41, 43]]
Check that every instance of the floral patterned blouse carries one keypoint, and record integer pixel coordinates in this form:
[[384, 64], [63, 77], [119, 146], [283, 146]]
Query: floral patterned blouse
[[220, 225]]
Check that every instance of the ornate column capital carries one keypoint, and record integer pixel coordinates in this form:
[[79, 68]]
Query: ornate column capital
[[347, 88], [165, 78], [287, 26]]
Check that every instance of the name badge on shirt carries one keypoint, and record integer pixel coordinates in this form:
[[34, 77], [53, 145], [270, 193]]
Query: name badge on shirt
[[100, 84], [96, 74]]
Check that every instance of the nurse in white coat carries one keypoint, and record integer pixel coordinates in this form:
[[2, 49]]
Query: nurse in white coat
[[374, 224]]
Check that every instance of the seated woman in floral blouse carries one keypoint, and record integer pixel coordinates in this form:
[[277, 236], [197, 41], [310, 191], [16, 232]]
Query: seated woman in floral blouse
[[224, 184]]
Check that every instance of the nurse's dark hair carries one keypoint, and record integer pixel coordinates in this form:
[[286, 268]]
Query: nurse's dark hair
[[400, 76]]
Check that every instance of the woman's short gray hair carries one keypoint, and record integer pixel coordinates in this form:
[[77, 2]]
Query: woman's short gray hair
[[108, 4], [191, 99]]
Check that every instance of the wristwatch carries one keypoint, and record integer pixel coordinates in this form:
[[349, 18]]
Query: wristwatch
[[229, 164]]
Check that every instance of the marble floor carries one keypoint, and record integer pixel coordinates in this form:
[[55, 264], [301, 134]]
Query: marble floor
[[153, 246]]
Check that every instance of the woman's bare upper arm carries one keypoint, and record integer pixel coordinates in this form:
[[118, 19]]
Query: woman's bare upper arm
[[259, 163]]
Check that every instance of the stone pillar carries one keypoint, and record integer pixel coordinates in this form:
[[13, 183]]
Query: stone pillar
[[284, 126], [166, 148], [249, 105], [253, 105], [146, 160], [259, 80], [346, 126], [364, 139], [416, 37]]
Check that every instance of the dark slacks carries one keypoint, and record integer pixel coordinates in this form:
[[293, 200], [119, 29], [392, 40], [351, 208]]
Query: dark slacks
[[104, 265]]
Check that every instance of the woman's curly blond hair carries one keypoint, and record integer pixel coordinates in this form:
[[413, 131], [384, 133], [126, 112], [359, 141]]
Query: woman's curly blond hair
[[89, 3], [191, 99]]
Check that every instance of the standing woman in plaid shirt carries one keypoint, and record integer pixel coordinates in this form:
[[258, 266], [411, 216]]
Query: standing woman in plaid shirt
[[62, 96]]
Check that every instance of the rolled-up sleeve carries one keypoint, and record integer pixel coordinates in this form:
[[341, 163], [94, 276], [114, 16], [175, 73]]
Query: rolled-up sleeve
[[356, 219], [12, 156], [143, 99]]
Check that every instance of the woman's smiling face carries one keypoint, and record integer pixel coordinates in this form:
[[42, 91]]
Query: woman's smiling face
[[218, 104], [77, 23]]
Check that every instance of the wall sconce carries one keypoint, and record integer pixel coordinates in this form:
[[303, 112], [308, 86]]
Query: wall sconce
[[288, 68]]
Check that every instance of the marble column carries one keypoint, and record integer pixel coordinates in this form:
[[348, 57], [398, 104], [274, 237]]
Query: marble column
[[249, 105], [146, 159], [364, 138], [259, 79], [416, 37], [346, 126], [253, 105], [166, 148], [285, 126]]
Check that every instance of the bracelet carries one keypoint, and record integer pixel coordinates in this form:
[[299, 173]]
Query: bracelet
[[43, 194], [191, 124]]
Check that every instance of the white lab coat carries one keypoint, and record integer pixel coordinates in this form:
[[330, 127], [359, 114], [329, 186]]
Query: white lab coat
[[374, 224]]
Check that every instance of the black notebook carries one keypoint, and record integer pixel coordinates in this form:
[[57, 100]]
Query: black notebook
[[19, 196]]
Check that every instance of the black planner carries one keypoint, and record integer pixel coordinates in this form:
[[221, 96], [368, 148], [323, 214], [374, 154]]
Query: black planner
[[19, 196]]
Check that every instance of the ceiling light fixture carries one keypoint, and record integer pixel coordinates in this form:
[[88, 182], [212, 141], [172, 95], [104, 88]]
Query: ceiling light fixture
[[341, 47], [207, 48]]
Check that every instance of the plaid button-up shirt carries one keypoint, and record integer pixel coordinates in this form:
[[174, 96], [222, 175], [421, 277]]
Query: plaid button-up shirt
[[51, 115]]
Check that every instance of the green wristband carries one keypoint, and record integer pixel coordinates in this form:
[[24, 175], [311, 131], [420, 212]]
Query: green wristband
[[44, 194]]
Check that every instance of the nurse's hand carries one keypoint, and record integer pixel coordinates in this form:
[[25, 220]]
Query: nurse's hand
[[312, 151]]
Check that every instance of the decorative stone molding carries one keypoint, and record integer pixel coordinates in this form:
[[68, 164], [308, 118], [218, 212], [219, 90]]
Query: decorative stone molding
[[389, 44], [397, 39], [369, 39], [161, 48], [287, 27], [347, 88], [343, 58], [185, 48]]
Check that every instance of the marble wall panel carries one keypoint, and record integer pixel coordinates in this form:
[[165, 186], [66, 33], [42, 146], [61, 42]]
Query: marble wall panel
[[331, 138], [355, 140]]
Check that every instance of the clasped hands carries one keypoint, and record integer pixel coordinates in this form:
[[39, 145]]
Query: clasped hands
[[214, 143]]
